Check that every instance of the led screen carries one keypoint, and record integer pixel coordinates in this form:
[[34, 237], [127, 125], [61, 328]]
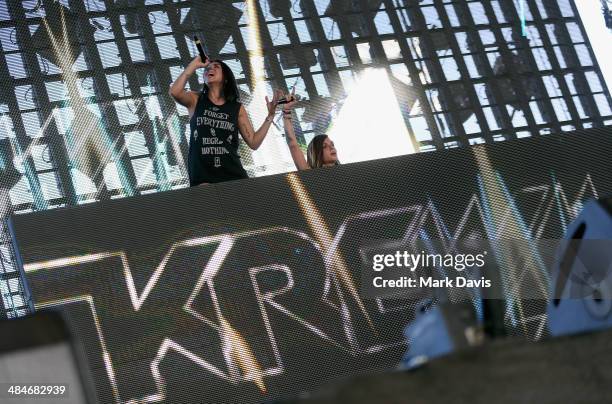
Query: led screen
[[248, 291]]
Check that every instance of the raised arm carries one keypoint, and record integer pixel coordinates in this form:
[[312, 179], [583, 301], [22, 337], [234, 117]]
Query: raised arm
[[188, 99], [254, 138], [296, 152]]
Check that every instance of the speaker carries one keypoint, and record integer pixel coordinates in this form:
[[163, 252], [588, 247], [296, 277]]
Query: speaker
[[131, 16], [439, 330], [350, 12], [217, 20], [581, 290], [61, 21], [278, 8], [289, 58]]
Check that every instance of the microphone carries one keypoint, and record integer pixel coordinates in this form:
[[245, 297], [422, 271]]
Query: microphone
[[198, 44], [286, 100]]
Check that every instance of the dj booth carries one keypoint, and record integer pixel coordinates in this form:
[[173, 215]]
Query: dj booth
[[249, 291]]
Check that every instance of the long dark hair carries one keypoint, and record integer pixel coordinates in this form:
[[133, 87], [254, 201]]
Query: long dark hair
[[314, 154], [230, 88]]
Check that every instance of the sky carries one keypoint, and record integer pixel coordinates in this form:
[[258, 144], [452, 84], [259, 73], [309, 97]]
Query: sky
[[599, 35]]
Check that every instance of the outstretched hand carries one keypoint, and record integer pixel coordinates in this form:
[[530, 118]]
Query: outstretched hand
[[274, 103]]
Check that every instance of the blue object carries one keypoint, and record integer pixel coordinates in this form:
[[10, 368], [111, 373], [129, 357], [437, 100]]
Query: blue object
[[581, 292], [428, 337]]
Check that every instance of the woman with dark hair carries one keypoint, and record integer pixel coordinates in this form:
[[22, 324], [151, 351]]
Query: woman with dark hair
[[321, 151], [216, 117]]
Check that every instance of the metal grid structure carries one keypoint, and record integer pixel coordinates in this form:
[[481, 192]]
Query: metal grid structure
[[86, 116]]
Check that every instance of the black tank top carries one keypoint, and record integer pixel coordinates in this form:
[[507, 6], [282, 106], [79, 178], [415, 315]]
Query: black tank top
[[213, 145]]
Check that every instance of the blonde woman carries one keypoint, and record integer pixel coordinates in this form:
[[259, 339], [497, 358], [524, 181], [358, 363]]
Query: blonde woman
[[321, 151]]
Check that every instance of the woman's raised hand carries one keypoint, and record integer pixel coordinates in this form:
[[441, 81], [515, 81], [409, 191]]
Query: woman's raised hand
[[278, 94], [291, 101], [197, 63]]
